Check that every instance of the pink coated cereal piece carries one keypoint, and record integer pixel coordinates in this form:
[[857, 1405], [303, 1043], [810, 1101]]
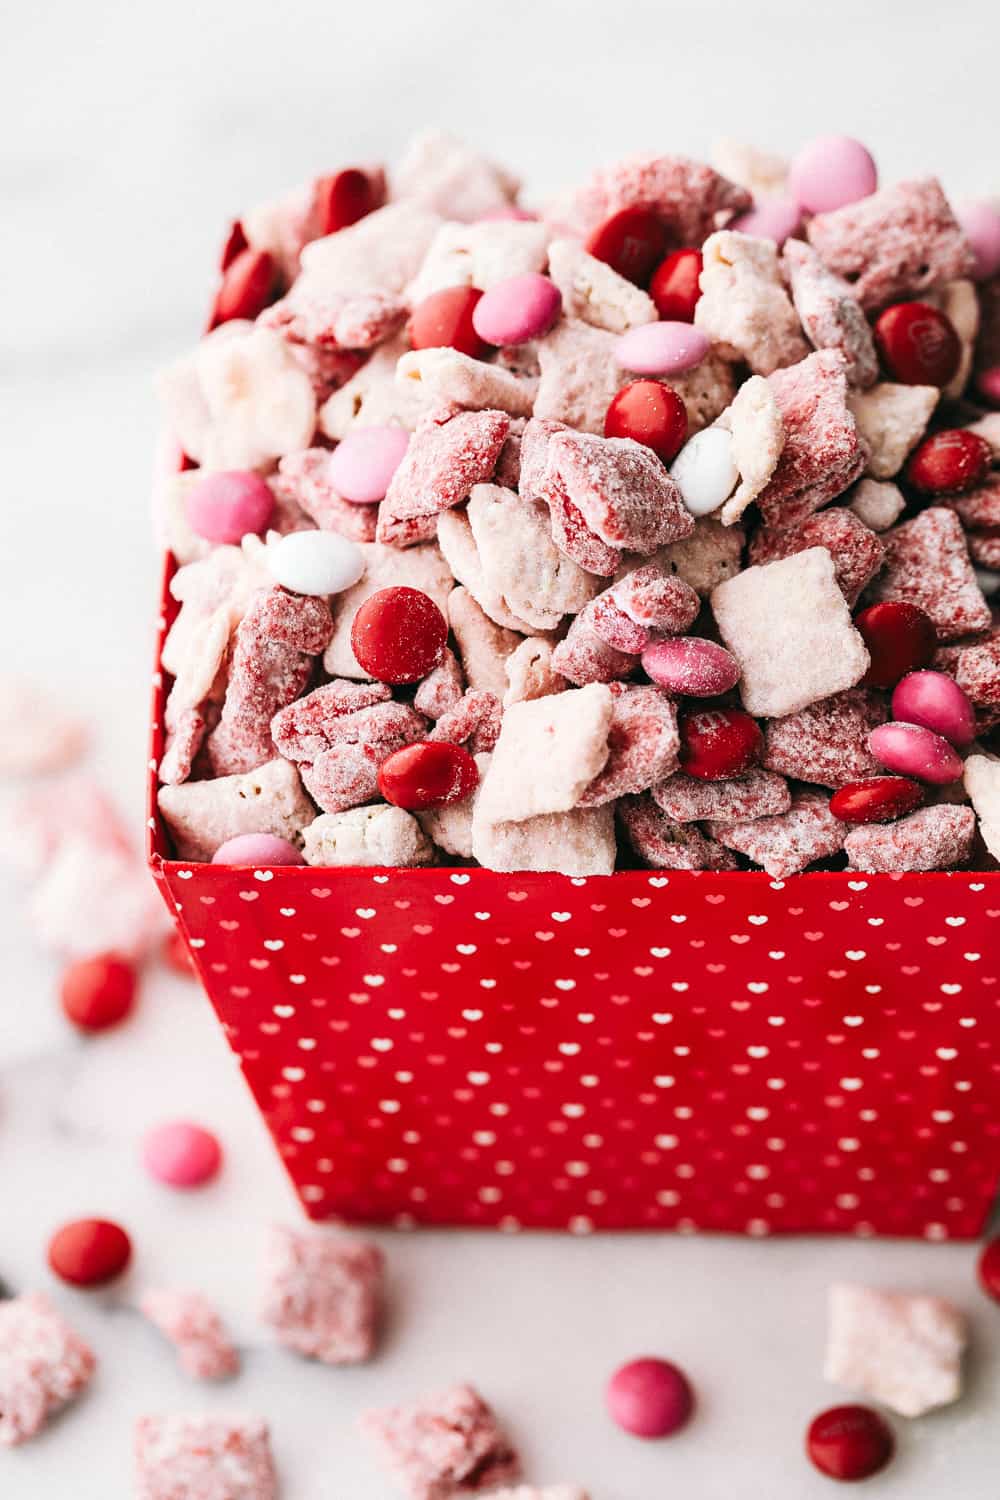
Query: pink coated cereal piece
[[978, 670], [744, 307], [93, 899], [661, 348], [786, 844], [450, 451], [442, 689], [831, 172], [305, 477], [830, 313], [448, 1444], [689, 666], [321, 1294], [37, 735], [927, 564], [915, 751], [822, 453], [891, 420], [308, 726], [201, 815], [980, 222], [181, 1154], [257, 849], [191, 1323], [387, 726], [574, 537], [44, 1364], [903, 1351], [643, 745], [204, 1458], [442, 173], [647, 601], [75, 807], [935, 838], [827, 742], [624, 494], [184, 741], [336, 320], [857, 552], [687, 195], [583, 657], [755, 794], [327, 369], [363, 463], [667, 845], [474, 720], [774, 219], [343, 777], [894, 244], [979, 507], [578, 375], [447, 376], [530, 672], [518, 309], [564, 738], [938, 703], [594, 293]]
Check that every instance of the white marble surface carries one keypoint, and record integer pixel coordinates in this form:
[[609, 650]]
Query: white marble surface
[[130, 132]]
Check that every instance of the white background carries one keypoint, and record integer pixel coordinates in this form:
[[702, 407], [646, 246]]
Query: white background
[[129, 135]]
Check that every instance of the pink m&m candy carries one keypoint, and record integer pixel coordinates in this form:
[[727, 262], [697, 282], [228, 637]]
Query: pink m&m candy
[[181, 1154], [661, 348], [774, 219], [690, 666], [915, 751], [257, 849], [830, 172], [650, 1398], [988, 385], [518, 309], [980, 220], [229, 505], [363, 463], [938, 703]]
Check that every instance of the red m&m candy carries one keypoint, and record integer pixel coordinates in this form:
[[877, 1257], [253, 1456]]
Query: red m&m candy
[[399, 635], [675, 285], [89, 1252], [718, 742], [97, 993], [428, 774], [877, 799], [343, 198], [236, 242], [900, 638], [849, 1442], [444, 320], [918, 344], [650, 1398], [176, 955], [631, 242], [248, 285], [988, 1269], [949, 462], [650, 413]]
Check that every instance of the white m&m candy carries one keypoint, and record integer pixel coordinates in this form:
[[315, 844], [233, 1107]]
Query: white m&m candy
[[315, 562], [705, 471]]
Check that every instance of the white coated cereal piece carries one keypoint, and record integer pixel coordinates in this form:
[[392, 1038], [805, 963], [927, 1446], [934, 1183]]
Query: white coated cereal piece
[[762, 172], [201, 815], [755, 421], [594, 293], [578, 843], [988, 428], [900, 1349], [483, 646], [377, 835], [448, 375], [545, 1492], [381, 252], [706, 390], [281, 227], [174, 531], [191, 1323], [36, 735], [521, 563], [789, 627], [579, 375], [982, 782], [891, 420], [214, 593], [374, 398], [422, 568], [530, 673], [442, 172], [563, 739], [877, 503], [705, 470], [480, 255], [44, 1364], [711, 554], [240, 400], [959, 301], [458, 545], [743, 304], [450, 827], [94, 900]]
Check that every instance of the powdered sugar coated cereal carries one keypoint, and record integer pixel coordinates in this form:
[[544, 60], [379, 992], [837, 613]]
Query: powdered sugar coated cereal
[[900, 1349], [445, 1445], [744, 306], [204, 1458], [321, 1294], [191, 1323], [44, 1364]]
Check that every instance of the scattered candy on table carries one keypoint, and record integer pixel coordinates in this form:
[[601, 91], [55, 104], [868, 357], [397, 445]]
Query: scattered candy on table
[[850, 1442], [181, 1154], [89, 1252], [650, 1398], [98, 993]]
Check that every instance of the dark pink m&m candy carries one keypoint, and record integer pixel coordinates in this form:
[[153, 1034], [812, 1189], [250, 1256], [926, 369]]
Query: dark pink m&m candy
[[650, 1398], [849, 1442]]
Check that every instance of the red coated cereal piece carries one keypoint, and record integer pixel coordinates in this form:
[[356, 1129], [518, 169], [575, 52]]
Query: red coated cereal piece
[[949, 462], [448, 1444], [857, 552], [343, 777], [321, 1294], [44, 1364], [827, 742], [399, 635], [822, 454], [204, 1458], [789, 843], [650, 413], [191, 1323], [918, 344], [450, 451], [336, 320], [474, 720], [184, 740], [755, 794], [896, 243], [624, 495], [687, 195], [428, 775], [444, 320], [984, 548], [98, 993], [306, 727], [441, 689], [978, 507], [573, 536], [304, 478], [927, 564], [668, 845], [977, 670], [89, 1252], [645, 601], [584, 657], [643, 745], [718, 743], [830, 312], [935, 838], [878, 799]]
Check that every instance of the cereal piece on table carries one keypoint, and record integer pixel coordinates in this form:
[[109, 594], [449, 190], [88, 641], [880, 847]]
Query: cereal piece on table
[[38, 734], [47, 814], [822, 453], [374, 835], [448, 1444], [712, 553], [530, 672], [758, 432], [622, 491], [184, 740], [579, 375], [545, 1492], [927, 564], [982, 782], [191, 1323], [442, 173], [305, 477], [446, 375], [483, 646], [381, 252], [44, 1364], [579, 842], [761, 172], [789, 628], [979, 507], [594, 293], [479, 255], [891, 420], [744, 307], [755, 794], [668, 845], [563, 738], [645, 602], [201, 815], [583, 657], [857, 552], [422, 568], [450, 827], [894, 244], [520, 562], [786, 844], [643, 745], [451, 450], [878, 505], [900, 1349], [458, 544], [240, 400], [204, 1458], [328, 319], [935, 838], [321, 1292], [372, 398], [827, 743], [830, 313], [475, 720], [95, 900], [687, 195], [440, 689]]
